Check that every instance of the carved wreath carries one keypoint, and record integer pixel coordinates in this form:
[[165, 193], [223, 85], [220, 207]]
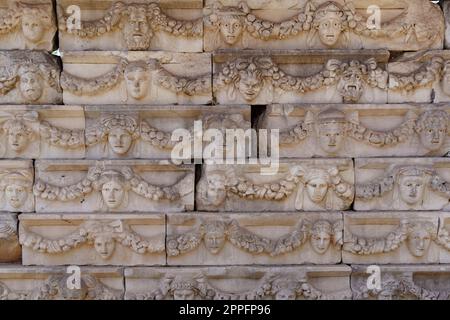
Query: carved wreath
[[91, 86], [86, 234], [91, 183], [113, 19], [246, 240]]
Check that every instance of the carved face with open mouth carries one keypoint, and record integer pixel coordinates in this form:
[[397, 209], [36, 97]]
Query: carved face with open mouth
[[418, 242], [104, 245], [18, 136], [432, 128], [250, 85], [350, 85], [230, 29]]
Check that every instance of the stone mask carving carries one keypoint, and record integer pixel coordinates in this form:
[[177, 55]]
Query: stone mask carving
[[432, 128], [329, 22], [114, 188], [137, 33], [411, 184], [16, 186], [331, 130], [137, 80], [321, 236], [36, 20], [419, 238]]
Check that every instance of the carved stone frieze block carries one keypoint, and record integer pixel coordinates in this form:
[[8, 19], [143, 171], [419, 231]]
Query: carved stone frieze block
[[86, 239], [27, 25], [298, 185], [39, 132], [275, 238], [323, 24], [402, 184], [10, 250], [390, 237], [238, 283], [16, 186], [114, 77], [51, 283], [29, 77], [113, 186], [146, 131], [359, 130], [264, 77], [169, 25], [443, 238], [401, 282]]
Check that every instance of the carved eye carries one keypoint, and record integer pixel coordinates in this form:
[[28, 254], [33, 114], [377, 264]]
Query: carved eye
[[236, 25]]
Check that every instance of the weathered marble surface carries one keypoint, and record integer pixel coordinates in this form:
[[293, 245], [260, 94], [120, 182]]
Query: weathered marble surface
[[29, 77], [359, 130], [288, 76], [92, 239], [443, 238], [16, 186], [51, 283], [114, 186], [401, 282], [27, 25], [299, 185], [238, 283], [118, 132], [402, 184], [10, 250], [390, 237], [115, 77], [132, 25], [323, 24], [42, 132], [252, 238]]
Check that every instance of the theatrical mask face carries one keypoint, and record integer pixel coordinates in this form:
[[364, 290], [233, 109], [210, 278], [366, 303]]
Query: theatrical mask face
[[32, 28], [230, 29], [214, 241], [317, 189], [331, 137], [320, 241], [113, 194], [411, 189], [120, 140], [216, 193], [17, 139], [16, 195], [30, 86], [433, 137], [185, 294], [350, 86], [250, 86], [138, 83], [330, 29], [136, 32], [418, 242], [285, 294], [104, 245]]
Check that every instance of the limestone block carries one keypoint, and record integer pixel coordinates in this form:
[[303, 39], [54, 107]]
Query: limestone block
[[254, 238], [446, 9], [114, 186], [114, 77], [39, 132], [402, 282], [27, 25], [87, 239], [146, 131], [297, 185], [293, 24], [29, 77], [420, 77], [359, 130], [443, 238], [16, 185], [402, 184], [390, 237], [263, 77], [238, 283], [171, 25], [10, 250], [51, 283]]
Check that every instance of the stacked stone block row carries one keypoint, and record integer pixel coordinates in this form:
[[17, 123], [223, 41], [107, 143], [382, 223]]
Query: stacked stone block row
[[363, 134]]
